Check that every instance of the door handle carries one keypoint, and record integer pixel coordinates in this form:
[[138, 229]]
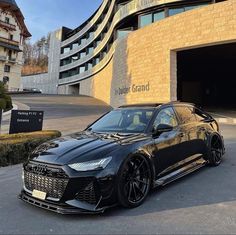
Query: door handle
[[202, 129], [181, 134]]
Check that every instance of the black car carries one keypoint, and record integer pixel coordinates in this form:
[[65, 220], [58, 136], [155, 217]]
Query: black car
[[120, 157]]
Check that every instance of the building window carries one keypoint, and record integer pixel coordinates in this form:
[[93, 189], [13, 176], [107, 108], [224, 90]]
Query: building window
[[7, 20], [90, 50], [83, 41], [158, 16], [145, 20], [82, 54], [91, 34], [96, 61], [175, 11], [75, 45], [81, 69], [66, 61], [74, 58], [123, 32], [66, 49], [73, 72], [5, 80], [7, 68], [89, 65], [188, 8]]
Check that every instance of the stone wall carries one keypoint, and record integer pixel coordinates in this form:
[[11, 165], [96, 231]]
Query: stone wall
[[47, 82], [143, 68], [39, 81]]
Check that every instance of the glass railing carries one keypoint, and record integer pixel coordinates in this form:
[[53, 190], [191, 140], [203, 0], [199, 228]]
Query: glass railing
[[88, 26], [127, 10], [91, 39]]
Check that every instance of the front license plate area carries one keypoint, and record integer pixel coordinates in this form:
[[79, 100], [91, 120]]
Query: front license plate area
[[38, 194]]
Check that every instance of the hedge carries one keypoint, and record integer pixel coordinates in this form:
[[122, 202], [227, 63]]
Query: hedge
[[8, 100], [5, 100], [3, 104], [15, 149]]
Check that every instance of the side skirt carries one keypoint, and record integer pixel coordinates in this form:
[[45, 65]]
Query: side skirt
[[187, 169]]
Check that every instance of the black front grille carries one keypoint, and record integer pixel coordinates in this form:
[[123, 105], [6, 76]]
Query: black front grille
[[50, 180], [45, 170], [54, 187], [87, 194]]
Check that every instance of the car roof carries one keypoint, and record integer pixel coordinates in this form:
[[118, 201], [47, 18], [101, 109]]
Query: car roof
[[157, 105], [151, 105]]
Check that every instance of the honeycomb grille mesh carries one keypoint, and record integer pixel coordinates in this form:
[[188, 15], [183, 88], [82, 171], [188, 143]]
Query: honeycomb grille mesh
[[87, 194], [54, 187]]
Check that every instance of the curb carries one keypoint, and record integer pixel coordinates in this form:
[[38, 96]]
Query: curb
[[231, 121], [15, 107], [221, 119]]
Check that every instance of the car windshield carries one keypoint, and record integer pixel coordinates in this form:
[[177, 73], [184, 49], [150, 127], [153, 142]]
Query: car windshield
[[124, 121]]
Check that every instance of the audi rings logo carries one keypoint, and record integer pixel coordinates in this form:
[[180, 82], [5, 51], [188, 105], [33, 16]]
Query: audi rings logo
[[40, 169]]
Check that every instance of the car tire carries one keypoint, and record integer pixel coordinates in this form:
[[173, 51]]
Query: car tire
[[215, 151], [134, 181]]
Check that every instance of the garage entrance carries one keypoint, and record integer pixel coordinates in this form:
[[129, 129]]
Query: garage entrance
[[207, 76]]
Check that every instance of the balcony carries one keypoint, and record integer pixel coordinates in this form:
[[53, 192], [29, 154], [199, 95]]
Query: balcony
[[9, 41], [11, 60], [3, 58], [6, 25]]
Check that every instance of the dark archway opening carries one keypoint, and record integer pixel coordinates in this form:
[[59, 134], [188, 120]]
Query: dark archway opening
[[207, 76]]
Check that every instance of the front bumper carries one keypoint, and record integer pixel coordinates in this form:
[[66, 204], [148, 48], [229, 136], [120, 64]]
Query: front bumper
[[62, 208], [68, 191]]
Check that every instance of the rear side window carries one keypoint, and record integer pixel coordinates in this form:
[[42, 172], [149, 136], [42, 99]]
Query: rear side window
[[185, 114], [200, 116], [166, 116]]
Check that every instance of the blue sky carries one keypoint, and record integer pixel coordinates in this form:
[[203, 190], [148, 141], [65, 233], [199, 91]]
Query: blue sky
[[43, 16]]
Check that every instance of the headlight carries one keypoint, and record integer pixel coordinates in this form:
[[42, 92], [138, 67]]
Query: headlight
[[91, 165]]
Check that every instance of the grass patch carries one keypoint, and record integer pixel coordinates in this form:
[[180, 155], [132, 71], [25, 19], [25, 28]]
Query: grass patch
[[15, 149]]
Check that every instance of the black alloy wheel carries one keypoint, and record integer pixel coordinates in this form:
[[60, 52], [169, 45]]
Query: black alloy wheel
[[216, 151], [134, 181]]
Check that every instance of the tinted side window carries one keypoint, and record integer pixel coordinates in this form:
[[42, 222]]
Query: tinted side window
[[185, 114], [200, 116], [166, 116]]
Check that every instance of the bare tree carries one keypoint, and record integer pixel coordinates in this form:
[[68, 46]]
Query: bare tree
[[36, 56]]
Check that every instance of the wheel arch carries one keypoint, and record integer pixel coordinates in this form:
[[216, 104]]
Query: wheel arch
[[210, 138], [149, 158]]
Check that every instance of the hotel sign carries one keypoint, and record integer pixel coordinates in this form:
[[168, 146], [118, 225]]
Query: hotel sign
[[134, 88], [26, 121]]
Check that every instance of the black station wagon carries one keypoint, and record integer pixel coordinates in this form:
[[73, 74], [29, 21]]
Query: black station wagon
[[120, 157]]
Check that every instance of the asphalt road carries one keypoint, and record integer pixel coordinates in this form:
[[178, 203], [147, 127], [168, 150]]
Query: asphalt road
[[203, 202], [66, 113]]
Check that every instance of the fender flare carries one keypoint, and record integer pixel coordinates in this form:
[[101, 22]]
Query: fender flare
[[209, 140]]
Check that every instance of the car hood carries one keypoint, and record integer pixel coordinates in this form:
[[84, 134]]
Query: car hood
[[83, 146]]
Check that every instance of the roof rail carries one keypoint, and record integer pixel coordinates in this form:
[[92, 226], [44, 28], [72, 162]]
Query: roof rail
[[141, 105]]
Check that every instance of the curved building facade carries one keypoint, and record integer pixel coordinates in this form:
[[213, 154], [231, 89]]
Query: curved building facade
[[139, 51]]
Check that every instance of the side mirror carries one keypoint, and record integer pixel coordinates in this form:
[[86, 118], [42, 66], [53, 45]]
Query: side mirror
[[161, 128]]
